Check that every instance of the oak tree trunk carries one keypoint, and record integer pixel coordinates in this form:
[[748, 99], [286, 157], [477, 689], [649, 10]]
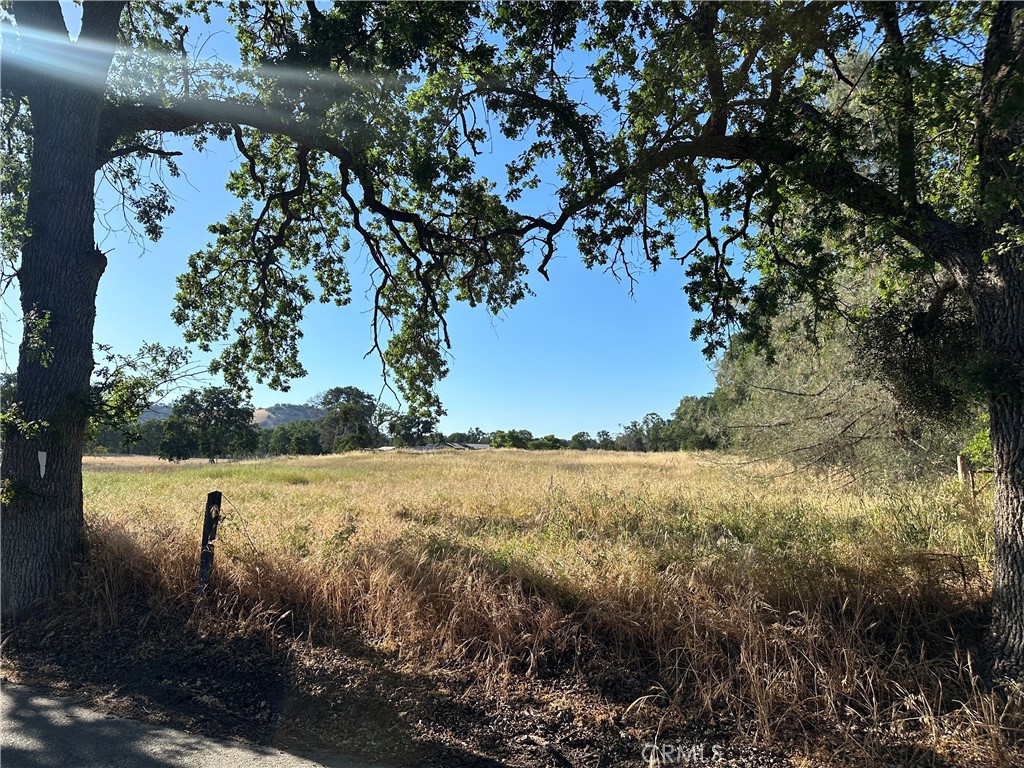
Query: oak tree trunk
[[1001, 318], [41, 525], [1007, 630], [996, 288]]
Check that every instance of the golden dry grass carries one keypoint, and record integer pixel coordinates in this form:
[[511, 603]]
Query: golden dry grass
[[795, 605]]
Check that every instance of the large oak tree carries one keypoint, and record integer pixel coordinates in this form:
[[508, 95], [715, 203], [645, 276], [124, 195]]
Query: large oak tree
[[797, 140], [324, 112]]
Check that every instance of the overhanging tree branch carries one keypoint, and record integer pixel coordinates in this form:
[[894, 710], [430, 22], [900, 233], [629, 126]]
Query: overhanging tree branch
[[134, 149], [858, 192], [562, 114]]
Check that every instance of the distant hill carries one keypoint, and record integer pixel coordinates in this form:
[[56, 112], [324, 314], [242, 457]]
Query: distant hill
[[268, 418], [279, 414], [156, 412]]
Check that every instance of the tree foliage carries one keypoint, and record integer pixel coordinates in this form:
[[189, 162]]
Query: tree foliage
[[827, 406], [546, 443], [349, 421], [511, 438], [213, 423], [125, 386], [582, 441], [296, 438], [410, 429], [696, 424], [794, 140]]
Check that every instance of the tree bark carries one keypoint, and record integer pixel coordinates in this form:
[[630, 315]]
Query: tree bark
[[997, 294], [41, 525], [1007, 629], [997, 290]]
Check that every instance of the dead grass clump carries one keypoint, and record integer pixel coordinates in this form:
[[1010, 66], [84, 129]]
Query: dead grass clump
[[420, 598]]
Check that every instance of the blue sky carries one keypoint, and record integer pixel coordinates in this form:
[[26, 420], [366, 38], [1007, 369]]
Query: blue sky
[[580, 355]]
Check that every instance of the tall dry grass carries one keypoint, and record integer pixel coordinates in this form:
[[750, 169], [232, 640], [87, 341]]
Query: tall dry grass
[[791, 604]]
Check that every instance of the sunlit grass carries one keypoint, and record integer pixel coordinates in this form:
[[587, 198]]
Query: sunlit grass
[[790, 601], [580, 517]]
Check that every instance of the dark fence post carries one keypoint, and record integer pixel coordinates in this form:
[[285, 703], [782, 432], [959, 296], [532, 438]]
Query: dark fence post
[[210, 520]]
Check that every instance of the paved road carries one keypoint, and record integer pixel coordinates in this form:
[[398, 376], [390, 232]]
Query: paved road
[[38, 730]]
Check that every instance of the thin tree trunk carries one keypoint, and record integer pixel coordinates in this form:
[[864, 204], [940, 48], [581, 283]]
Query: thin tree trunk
[[41, 526]]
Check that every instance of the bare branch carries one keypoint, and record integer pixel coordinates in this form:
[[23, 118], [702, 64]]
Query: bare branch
[[135, 149], [838, 70], [819, 393]]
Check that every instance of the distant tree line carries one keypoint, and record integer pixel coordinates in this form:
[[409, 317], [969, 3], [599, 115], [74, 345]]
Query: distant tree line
[[827, 402], [217, 422], [862, 395], [695, 425]]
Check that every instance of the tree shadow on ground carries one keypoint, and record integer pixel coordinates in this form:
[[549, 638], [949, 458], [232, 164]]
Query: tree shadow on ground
[[194, 666], [209, 678]]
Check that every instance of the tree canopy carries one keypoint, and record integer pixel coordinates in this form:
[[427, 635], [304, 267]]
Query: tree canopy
[[349, 419], [296, 438], [825, 405], [212, 422], [762, 129]]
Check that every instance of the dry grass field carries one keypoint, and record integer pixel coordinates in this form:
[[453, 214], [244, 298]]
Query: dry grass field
[[834, 623]]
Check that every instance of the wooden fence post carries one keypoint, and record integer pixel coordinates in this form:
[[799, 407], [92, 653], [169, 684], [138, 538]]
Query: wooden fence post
[[210, 520], [964, 470]]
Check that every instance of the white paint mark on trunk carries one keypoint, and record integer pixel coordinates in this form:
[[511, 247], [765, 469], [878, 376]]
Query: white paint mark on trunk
[[42, 463]]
